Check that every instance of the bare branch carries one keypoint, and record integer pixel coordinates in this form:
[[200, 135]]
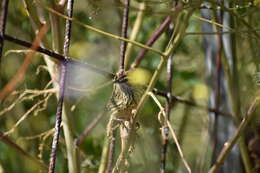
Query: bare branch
[[22, 70], [168, 107], [89, 128], [157, 33], [23, 117], [124, 35], [171, 130], [19, 150], [190, 103]]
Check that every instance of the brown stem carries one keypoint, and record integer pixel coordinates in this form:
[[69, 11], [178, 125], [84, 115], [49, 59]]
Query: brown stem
[[168, 107], [124, 35], [88, 128], [150, 42], [229, 144]]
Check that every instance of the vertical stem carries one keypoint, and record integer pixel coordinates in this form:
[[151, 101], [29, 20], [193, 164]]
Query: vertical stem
[[124, 35], [135, 31], [107, 155], [88, 128], [218, 83], [70, 146], [3, 17], [111, 153], [55, 140], [168, 106], [67, 122], [68, 28]]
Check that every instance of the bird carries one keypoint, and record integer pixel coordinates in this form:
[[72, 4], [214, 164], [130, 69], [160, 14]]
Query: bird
[[123, 101]]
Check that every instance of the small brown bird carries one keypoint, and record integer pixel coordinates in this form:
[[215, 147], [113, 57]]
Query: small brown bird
[[123, 101]]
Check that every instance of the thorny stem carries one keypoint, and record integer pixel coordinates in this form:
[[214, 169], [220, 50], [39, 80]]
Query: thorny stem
[[73, 166], [3, 17], [229, 145], [55, 140], [124, 35], [68, 29]]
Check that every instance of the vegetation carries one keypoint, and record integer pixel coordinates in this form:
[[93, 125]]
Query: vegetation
[[180, 77]]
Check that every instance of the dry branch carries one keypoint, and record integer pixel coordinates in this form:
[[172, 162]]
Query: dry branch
[[229, 144], [19, 150], [124, 35], [22, 70]]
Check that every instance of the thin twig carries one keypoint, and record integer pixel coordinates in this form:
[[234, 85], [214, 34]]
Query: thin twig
[[3, 17], [238, 17], [124, 35], [168, 107], [157, 33], [111, 153], [37, 136], [23, 96], [101, 31], [229, 144], [190, 103], [107, 154], [172, 131], [18, 149], [89, 128], [23, 68], [59, 56], [23, 117], [135, 31]]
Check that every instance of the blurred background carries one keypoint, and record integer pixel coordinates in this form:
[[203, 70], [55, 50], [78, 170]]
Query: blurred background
[[27, 117]]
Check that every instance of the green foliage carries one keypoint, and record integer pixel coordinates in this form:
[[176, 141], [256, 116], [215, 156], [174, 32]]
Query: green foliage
[[103, 52]]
